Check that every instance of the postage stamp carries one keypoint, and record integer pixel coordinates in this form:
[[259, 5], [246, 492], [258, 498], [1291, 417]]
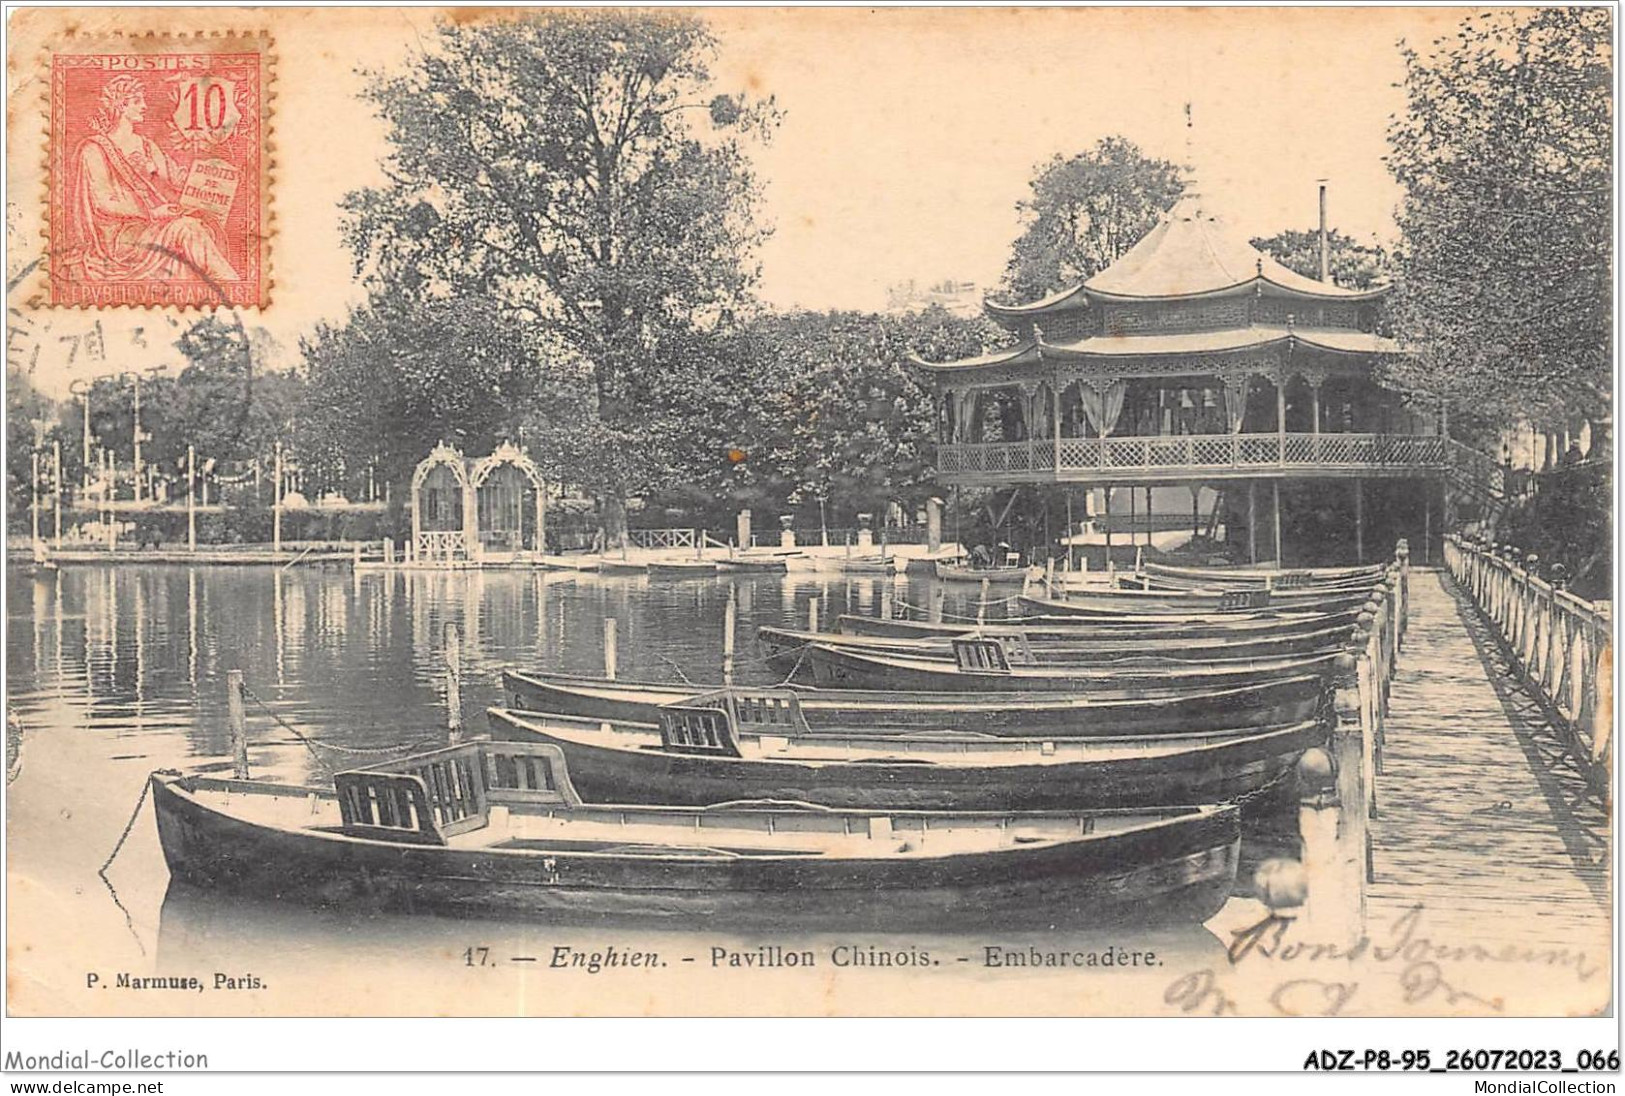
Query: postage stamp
[[157, 157]]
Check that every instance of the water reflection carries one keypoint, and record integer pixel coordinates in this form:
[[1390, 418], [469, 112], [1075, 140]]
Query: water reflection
[[115, 671]]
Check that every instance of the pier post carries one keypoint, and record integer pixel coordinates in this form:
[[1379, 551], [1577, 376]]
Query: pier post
[[454, 685], [933, 525], [1326, 903], [742, 530], [237, 720], [729, 619], [886, 602], [812, 615], [981, 604], [355, 556], [389, 550], [609, 648], [937, 598], [1351, 756]]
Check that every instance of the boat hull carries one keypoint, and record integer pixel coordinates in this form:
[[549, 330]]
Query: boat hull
[[1140, 711], [1156, 603], [836, 668], [782, 648], [1180, 871], [1211, 773]]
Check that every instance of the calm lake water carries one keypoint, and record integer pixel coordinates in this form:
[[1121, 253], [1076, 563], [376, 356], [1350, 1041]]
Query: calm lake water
[[113, 671]]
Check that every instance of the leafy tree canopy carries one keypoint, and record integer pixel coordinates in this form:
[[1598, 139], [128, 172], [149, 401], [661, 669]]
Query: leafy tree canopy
[[578, 170], [1085, 211], [1353, 265], [1504, 151]]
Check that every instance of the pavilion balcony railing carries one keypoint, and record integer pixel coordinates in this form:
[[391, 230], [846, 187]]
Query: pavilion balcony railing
[[1561, 647], [1209, 452]]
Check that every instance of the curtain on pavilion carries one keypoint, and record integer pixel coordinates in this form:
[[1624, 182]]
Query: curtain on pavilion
[[1235, 401], [1102, 408]]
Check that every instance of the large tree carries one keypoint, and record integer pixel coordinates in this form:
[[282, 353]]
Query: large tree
[[1504, 151], [1085, 211], [1352, 264], [579, 170]]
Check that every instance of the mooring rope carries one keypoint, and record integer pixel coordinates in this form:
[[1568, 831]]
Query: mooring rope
[[129, 922]]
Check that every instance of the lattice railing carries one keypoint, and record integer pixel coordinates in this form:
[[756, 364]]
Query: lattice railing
[[442, 544], [663, 538], [1202, 451], [1561, 646]]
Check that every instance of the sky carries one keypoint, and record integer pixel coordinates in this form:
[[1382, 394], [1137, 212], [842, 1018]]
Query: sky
[[908, 137]]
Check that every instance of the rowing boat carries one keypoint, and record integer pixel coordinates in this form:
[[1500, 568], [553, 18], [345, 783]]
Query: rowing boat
[[497, 829], [981, 665], [856, 565], [953, 572], [782, 647], [769, 565], [1249, 578], [1061, 627], [709, 751], [1156, 603], [615, 565], [682, 568], [1103, 711]]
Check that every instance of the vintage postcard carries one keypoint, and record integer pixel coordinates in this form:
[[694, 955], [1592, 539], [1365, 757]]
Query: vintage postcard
[[782, 512]]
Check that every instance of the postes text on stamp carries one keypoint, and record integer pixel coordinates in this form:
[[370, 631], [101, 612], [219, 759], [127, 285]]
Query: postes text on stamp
[[157, 156]]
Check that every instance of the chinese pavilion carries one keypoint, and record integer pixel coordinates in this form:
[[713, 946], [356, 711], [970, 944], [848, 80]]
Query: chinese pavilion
[[1196, 360]]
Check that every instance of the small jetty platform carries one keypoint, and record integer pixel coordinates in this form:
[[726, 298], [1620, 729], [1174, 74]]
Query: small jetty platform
[[1478, 819]]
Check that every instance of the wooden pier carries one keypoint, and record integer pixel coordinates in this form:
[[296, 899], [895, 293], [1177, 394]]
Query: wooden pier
[[1478, 818]]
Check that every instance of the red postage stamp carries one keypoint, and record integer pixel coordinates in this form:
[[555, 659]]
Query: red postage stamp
[[157, 173]]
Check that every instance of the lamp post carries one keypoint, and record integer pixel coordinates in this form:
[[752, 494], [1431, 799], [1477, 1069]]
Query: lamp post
[[81, 388], [191, 499]]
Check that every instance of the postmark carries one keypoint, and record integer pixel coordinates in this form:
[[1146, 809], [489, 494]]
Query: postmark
[[157, 168]]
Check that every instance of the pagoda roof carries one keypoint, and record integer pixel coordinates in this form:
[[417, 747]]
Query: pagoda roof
[[1026, 353], [1335, 340], [1063, 300], [1191, 253], [1332, 340]]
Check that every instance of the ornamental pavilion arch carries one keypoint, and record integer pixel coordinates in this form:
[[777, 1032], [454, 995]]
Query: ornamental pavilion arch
[[467, 510], [1195, 361]]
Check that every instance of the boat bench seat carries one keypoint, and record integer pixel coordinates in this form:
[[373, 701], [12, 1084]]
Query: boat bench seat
[[433, 797]]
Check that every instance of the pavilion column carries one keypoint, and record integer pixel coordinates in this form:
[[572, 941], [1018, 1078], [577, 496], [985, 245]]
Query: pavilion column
[[417, 517], [471, 520], [1275, 486], [1280, 417], [1055, 422], [1252, 521], [1029, 421], [1359, 520]]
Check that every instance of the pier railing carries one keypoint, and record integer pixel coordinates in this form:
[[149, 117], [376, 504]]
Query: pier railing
[[1561, 648], [1338, 785]]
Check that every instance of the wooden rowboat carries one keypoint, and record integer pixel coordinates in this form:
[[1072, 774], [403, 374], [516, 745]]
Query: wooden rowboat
[[1248, 578], [615, 565], [982, 666], [497, 829], [782, 647], [682, 568], [953, 572], [1151, 603], [857, 565], [571, 562], [1102, 711], [769, 565], [1060, 627], [702, 752]]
